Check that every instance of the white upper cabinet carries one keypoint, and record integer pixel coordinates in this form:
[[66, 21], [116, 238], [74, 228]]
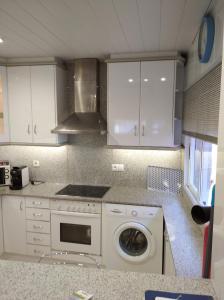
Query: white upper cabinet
[[20, 112], [4, 122], [123, 103], [157, 103], [33, 103], [142, 104], [43, 103]]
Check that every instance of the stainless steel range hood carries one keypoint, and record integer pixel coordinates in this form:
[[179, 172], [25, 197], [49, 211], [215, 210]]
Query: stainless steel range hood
[[86, 117]]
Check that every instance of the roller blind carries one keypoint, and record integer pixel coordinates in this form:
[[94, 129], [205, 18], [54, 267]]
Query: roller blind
[[201, 107]]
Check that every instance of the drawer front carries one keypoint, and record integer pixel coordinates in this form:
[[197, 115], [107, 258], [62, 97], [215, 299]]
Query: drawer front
[[37, 226], [38, 214], [38, 238], [37, 202], [36, 250]]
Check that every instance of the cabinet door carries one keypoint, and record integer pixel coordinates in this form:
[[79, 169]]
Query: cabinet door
[[1, 230], [14, 226], [43, 103], [123, 103], [157, 103], [20, 113], [4, 125]]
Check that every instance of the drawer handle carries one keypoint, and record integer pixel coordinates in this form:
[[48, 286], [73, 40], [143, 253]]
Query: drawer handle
[[135, 130], [37, 215], [36, 239], [117, 211], [37, 226], [36, 203], [37, 251]]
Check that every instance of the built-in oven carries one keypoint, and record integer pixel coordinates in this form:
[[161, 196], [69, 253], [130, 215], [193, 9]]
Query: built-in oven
[[76, 227]]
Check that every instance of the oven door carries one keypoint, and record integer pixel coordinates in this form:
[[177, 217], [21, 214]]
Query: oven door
[[78, 232]]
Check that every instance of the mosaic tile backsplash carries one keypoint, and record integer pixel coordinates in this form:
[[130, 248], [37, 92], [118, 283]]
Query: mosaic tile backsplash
[[87, 159]]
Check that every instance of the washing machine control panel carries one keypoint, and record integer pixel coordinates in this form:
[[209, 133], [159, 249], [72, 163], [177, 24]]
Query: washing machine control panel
[[141, 211]]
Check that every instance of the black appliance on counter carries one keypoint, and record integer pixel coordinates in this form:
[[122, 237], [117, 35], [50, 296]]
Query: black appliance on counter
[[19, 177]]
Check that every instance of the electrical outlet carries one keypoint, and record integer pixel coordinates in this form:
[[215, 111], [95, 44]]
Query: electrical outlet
[[36, 163], [117, 167]]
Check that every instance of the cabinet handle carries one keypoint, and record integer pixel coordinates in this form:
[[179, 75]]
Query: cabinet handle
[[37, 226], [117, 211], [36, 239], [37, 215], [36, 203], [36, 251], [35, 129], [135, 129], [143, 130], [28, 129], [21, 205]]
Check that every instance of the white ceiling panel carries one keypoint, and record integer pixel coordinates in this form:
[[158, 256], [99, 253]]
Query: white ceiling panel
[[193, 13], [172, 12], [149, 13], [129, 20], [97, 28]]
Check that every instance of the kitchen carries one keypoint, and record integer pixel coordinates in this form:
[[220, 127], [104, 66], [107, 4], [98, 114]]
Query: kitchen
[[106, 143]]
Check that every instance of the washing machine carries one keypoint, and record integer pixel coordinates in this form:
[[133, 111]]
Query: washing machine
[[132, 238]]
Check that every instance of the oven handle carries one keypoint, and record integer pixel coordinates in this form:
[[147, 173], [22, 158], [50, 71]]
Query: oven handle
[[74, 214]]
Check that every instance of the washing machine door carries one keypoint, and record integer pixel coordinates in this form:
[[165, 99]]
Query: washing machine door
[[134, 242]]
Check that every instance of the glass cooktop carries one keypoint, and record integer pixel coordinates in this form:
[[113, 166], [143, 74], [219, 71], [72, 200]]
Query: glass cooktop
[[89, 191]]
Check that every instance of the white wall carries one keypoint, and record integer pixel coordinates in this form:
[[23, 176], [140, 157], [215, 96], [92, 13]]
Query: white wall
[[194, 69], [218, 238]]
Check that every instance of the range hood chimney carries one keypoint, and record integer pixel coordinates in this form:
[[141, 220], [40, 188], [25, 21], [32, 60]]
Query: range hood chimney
[[86, 117]]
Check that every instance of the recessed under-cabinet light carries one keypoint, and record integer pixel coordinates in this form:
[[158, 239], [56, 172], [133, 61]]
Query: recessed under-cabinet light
[[130, 80], [163, 79], [1, 40], [146, 79]]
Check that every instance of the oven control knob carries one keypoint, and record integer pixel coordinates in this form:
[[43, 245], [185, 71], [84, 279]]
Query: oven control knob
[[134, 213]]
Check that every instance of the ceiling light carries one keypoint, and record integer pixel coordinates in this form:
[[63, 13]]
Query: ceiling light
[[163, 79], [130, 79], [146, 79], [1, 40]]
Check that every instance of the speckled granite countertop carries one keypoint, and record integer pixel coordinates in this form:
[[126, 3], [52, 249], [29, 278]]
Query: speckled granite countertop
[[185, 236], [33, 281]]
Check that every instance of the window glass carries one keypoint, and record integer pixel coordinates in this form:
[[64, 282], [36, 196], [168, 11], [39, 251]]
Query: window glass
[[209, 159], [195, 166], [201, 169]]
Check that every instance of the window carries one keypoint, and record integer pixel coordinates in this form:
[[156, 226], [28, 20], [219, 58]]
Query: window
[[201, 169]]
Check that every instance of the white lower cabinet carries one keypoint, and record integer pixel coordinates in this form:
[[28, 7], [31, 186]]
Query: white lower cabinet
[[1, 230], [26, 228], [169, 267], [14, 225], [37, 250], [38, 228], [38, 238]]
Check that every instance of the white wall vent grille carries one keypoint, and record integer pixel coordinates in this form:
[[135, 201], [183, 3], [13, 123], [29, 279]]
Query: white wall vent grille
[[165, 179]]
